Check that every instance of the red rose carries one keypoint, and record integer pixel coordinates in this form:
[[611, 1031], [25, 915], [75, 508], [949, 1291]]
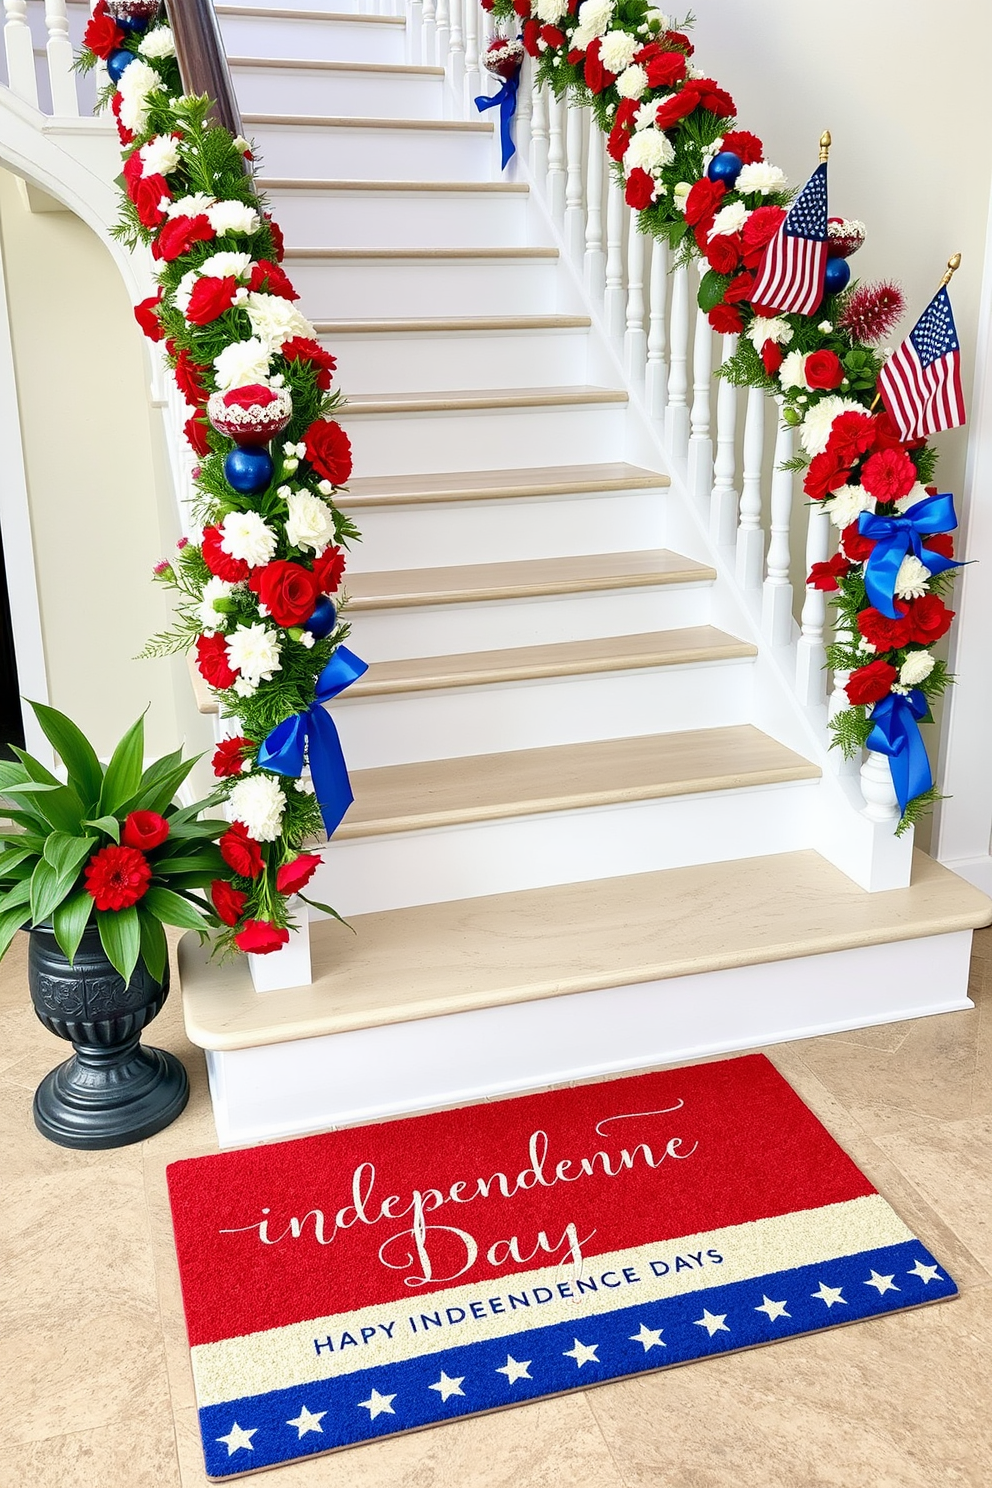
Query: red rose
[[221, 564], [772, 357], [723, 253], [329, 451], [857, 548], [678, 106], [529, 37], [823, 370], [726, 319], [102, 34], [146, 314], [189, 380], [522, 8], [210, 298], [230, 755], [703, 200], [869, 684], [824, 476], [701, 232], [941, 542], [229, 902], [148, 194], [288, 591], [887, 436], [294, 876], [303, 349], [278, 241], [851, 435], [929, 618], [117, 877], [259, 938], [195, 429], [553, 36], [328, 570], [761, 226], [665, 70], [271, 278], [746, 146], [679, 39], [825, 575], [597, 77], [881, 632], [179, 235], [639, 191], [616, 144], [714, 98], [212, 662], [888, 475], [249, 395], [240, 852], [145, 830], [739, 288]]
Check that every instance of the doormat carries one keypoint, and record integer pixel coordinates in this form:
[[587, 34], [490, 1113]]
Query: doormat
[[385, 1278]]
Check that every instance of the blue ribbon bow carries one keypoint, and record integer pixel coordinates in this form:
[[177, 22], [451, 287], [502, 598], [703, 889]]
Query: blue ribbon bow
[[895, 732], [895, 537], [506, 101], [313, 734]]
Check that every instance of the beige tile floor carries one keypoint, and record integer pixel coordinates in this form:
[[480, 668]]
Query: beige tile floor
[[95, 1389]]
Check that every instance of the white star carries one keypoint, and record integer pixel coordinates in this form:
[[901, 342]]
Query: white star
[[582, 1353], [713, 1322], [446, 1386], [925, 1273], [515, 1370], [773, 1309], [882, 1283], [307, 1421], [648, 1337], [378, 1405], [237, 1438], [830, 1295]]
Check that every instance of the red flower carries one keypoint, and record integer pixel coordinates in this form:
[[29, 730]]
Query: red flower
[[746, 146], [703, 200], [772, 357], [679, 39], [823, 370], [278, 242], [189, 380], [529, 37], [288, 591], [240, 852], [869, 684], [929, 618], [575, 56], [726, 319], [639, 192], [888, 475], [825, 575], [851, 435], [940, 542], [626, 112], [270, 277], [212, 662], [303, 349], [260, 937], [856, 547], [677, 106], [723, 253], [230, 755], [666, 69], [329, 451], [148, 193], [249, 395], [296, 875], [616, 144], [195, 429], [887, 436], [522, 8], [179, 235], [117, 877], [597, 77], [714, 98], [229, 902], [881, 632], [739, 288], [221, 564], [824, 476], [102, 34], [328, 570], [553, 36], [758, 231], [210, 298], [125, 135], [145, 313], [145, 830]]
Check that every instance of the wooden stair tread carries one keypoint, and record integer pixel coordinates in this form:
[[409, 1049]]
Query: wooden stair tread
[[565, 777], [473, 582], [452, 323], [330, 184], [356, 121], [314, 64], [362, 254], [535, 943], [691, 645], [307, 15], [491, 485], [456, 400]]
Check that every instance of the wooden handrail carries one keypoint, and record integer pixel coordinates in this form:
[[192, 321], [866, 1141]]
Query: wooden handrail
[[203, 60]]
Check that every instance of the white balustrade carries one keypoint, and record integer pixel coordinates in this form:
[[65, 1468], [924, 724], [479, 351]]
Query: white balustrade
[[677, 412], [20, 51], [700, 460], [539, 136], [60, 59], [415, 28], [442, 31], [594, 265], [456, 49], [524, 115], [614, 306], [635, 341], [575, 227], [881, 804], [472, 77], [776, 599], [724, 498], [811, 653], [750, 537], [556, 159], [655, 383], [428, 42]]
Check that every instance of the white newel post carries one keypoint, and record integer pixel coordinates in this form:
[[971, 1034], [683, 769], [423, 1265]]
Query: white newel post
[[700, 461], [677, 412], [594, 267], [65, 103], [656, 377], [811, 656], [723, 502], [614, 306], [750, 538], [290, 966], [635, 341], [20, 51], [776, 600]]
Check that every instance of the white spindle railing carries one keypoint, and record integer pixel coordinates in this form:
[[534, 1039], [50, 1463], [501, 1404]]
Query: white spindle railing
[[677, 412], [700, 463], [655, 389], [724, 497], [19, 47], [635, 341]]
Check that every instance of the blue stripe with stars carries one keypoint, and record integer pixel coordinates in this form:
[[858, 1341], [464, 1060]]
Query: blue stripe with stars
[[263, 1430]]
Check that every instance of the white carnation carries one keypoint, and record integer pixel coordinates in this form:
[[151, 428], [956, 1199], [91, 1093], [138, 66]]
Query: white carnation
[[593, 18], [646, 115], [792, 374], [729, 219], [632, 82], [918, 493], [253, 650], [913, 578], [275, 320], [648, 151], [241, 363], [310, 523], [247, 537], [764, 329], [158, 43], [233, 217], [160, 156], [819, 420], [258, 803], [846, 503], [211, 618], [189, 206], [226, 265], [759, 178], [550, 11], [617, 50], [916, 668], [138, 82], [184, 290]]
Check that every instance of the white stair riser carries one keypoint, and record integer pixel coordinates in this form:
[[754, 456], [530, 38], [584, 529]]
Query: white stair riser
[[555, 527], [408, 727], [364, 95], [529, 852], [374, 154], [402, 219], [381, 289], [432, 630], [473, 439], [419, 361], [319, 40]]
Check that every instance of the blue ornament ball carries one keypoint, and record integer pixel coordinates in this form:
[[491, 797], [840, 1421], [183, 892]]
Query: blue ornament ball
[[837, 277], [248, 470], [323, 619], [132, 25], [117, 64], [725, 167]]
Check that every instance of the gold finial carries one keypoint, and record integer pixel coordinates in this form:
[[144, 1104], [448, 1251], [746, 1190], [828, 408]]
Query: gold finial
[[825, 145], [953, 264]]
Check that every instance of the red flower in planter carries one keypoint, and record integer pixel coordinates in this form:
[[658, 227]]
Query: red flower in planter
[[259, 938], [228, 901], [241, 852], [144, 830], [117, 877], [294, 876]]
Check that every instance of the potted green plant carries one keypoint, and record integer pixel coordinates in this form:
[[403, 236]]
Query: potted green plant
[[94, 867]]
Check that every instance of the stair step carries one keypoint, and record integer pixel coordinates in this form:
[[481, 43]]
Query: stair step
[[278, 14], [324, 185], [394, 255], [476, 582], [473, 324], [437, 401], [496, 485], [268, 85], [463, 955], [356, 121]]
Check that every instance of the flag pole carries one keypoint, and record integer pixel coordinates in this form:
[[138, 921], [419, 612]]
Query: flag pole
[[825, 143], [953, 264]]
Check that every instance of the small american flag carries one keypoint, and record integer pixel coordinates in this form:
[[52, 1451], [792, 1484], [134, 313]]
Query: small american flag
[[921, 381], [790, 279]]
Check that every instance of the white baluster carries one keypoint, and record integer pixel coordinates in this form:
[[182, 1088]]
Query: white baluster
[[655, 387], [428, 50], [635, 342], [677, 412], [456, 52], [837, 703], [700, 464], [881, 804], [575, 222], [556, 159], [776, 601], [539, 139], [811, 655], [525, 110], [723, 503], [20, 51], [472, 78], [614, 306], [750, 538], [442, 31], [59, 48], [415, 31], [595, 258]]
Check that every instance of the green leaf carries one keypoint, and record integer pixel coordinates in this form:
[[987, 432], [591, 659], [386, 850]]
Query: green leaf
[[171, 909], [65, 853], [47, 890], [60, 806], [711, 289], [10, 922], [154, 948], [108, 824], [120, 937], [74, 750], [160, 782], [70, 920], [26, 819], [326, 908], [18, 895], [13, 857], [201, 880], [124, 771], [12, 774], [33, 788], [207, 860]]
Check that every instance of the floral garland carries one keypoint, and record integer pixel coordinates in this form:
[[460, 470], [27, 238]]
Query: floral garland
[[253, 594], [703, 185]]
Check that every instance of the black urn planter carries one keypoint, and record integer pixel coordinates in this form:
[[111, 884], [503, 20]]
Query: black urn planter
[[113, 1090]]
